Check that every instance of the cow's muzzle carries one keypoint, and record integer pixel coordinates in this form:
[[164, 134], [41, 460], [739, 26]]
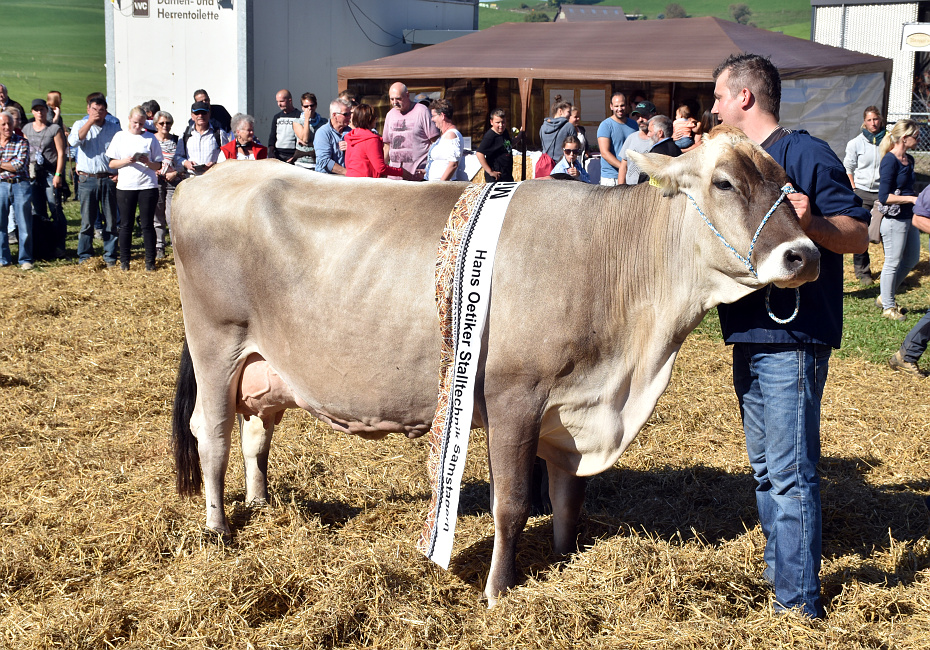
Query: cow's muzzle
[[792, 264]]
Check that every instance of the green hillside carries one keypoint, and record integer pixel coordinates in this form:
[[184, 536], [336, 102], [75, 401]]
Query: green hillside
[[53, 45], [793, 17]]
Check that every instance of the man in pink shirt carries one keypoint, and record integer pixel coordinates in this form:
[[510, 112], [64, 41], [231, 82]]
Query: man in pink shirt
[[408, 131]]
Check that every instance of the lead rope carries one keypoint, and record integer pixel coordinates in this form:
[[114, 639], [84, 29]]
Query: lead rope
[[785, 191]]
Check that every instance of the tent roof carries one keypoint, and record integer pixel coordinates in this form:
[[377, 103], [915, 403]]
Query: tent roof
[[673, 50]]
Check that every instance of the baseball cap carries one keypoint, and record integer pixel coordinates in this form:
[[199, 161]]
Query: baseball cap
[[643, 108], [39, 103], [200, 107]]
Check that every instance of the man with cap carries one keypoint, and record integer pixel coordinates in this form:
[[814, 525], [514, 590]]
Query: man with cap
[[638, 141], [199, 150], [48, 152]]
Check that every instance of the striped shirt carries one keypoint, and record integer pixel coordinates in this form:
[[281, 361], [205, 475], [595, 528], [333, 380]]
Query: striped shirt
[[15, 153]]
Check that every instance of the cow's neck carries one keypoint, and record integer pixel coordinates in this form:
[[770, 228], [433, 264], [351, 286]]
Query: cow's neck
[[658, 285]]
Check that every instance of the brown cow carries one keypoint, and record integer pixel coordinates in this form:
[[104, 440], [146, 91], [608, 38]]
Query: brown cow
[[317, 292]]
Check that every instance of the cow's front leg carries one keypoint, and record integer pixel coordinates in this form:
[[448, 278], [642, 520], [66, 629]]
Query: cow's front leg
[[566, 491], [213, 444], [255, 436], [511, 458]]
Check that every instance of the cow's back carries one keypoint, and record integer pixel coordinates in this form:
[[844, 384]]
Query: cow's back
[[330, 279]]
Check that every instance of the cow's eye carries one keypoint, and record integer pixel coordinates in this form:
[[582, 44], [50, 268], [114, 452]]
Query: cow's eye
[[723, 185]]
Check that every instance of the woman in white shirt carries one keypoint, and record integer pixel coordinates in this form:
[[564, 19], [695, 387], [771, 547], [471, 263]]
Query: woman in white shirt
[[137, 156], [446, 161]]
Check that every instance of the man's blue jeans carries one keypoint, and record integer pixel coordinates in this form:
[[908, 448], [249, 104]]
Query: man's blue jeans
[[19, 195], [779, 389], [95, 194]]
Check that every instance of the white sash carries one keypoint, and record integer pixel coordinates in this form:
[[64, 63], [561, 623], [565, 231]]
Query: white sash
[[470, 298]]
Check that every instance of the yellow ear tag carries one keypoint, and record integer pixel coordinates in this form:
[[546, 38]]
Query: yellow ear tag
[[654, 182]]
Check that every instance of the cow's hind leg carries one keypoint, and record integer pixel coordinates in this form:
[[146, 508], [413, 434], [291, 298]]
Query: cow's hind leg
[[255, 435], [212, 422], [566, 491], [511, 458]]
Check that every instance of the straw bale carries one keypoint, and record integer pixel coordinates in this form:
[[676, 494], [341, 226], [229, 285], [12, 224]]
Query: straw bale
[[96, 550]]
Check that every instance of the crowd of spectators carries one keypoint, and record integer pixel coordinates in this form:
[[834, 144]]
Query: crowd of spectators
[[120, 172], [419, 141]]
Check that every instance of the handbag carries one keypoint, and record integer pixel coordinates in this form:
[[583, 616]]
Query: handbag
[[875, 225]]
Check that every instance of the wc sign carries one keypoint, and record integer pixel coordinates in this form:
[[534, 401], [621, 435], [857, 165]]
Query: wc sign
[[140, 8]]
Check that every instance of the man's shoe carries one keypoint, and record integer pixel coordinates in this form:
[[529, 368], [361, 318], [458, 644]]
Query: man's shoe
[[110, 264], [159, 253], [27, 266], [893, 313], [98, 235], [897, 362]]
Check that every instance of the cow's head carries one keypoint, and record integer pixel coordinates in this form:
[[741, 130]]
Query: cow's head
[[735, 183]]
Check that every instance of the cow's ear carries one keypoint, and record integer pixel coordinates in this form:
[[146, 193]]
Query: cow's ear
[[667, 173]]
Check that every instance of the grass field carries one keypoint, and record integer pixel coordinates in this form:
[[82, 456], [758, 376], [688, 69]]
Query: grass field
[[793, 17], [53, 45]]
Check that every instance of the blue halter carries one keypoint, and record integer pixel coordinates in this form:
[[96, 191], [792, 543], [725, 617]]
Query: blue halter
[[785, 191]]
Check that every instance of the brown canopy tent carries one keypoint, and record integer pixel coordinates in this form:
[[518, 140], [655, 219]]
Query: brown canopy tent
[[672, 60]]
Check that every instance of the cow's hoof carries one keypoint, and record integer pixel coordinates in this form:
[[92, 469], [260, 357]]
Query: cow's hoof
[[217, 537], [258, 502]]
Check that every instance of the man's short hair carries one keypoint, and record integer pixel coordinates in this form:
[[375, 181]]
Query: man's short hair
[[662, 123], [309, 97], [201, 91], [97, 98], [499, 112], [619, 93], [758, 74], [339, 105], [349, 96]]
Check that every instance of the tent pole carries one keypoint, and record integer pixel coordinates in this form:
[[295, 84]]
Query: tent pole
[[526, 84]]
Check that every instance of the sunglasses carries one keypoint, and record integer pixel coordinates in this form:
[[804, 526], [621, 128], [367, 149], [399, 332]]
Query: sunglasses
[[164, 123], [571, 151], [309, 105]]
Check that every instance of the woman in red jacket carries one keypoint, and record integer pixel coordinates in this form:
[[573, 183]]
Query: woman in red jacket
[[365, 149], [243, 145]]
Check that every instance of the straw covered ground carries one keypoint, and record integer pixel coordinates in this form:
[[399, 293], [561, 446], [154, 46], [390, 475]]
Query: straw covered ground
[[97, 551]]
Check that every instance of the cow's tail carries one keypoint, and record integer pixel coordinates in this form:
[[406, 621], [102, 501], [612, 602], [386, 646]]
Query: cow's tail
[[186, 459]]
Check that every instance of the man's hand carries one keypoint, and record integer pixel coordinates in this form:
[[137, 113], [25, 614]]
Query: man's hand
[[342, 145], [802, 207], [96, 114], [56, 181]]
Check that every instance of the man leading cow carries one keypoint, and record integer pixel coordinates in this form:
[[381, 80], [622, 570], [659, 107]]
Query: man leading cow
[[779, 370]]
